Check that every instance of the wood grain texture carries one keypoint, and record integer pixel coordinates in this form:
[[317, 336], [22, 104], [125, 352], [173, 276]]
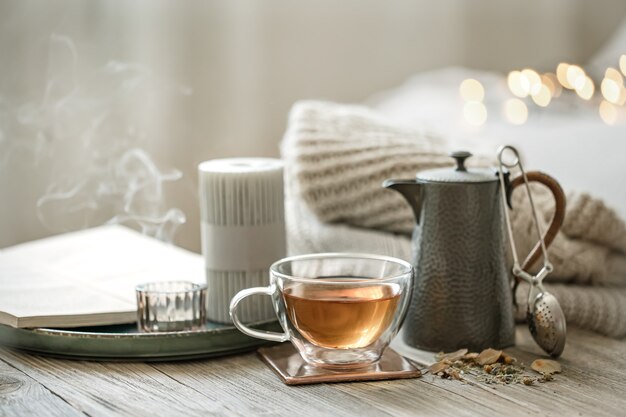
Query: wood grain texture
[[20, 395], [592, 384], [593, 373], [116, 388]]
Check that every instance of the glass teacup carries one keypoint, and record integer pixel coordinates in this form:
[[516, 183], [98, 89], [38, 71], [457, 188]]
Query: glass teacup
[[339, 310]]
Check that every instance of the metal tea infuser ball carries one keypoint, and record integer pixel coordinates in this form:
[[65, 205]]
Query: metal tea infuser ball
[[546, 320]]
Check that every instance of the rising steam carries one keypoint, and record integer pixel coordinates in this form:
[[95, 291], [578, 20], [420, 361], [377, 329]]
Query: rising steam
[[85, 128]]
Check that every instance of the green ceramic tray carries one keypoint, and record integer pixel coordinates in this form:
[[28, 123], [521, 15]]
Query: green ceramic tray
[[124, 343]]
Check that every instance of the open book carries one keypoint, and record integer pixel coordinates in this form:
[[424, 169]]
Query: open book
[[86, 278]]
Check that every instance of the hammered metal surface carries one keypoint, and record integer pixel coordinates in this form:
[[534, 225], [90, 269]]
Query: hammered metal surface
[[461, 296]]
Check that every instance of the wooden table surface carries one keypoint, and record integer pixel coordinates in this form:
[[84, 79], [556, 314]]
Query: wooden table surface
[[593, 383]]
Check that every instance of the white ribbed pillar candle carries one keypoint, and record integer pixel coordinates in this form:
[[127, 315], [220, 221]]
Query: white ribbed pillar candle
[[243, 231]]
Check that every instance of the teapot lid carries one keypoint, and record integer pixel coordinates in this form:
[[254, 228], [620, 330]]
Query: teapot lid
[[460, 174]]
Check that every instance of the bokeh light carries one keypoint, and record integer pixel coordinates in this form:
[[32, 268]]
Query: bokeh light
[[531, 81], [622, 97], [515, 111], [561, 75], [613, 74], [608, 112], [611, 90], [575, 76], [543, 96], [622, 64], [587, 89], [472, 90], [475, 113], [517, 87], [549, 80]]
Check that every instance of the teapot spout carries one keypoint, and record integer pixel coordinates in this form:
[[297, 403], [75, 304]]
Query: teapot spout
[[411, 191]]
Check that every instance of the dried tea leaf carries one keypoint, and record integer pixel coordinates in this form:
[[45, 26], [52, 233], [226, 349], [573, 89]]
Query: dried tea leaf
[[453, 356], [546, 366], [488, 356], [453, 373], [437, 367], [508, 360], [509, 370], [500, 369]]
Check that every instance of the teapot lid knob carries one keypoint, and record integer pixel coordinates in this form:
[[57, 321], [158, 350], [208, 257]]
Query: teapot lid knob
[[460, 157]]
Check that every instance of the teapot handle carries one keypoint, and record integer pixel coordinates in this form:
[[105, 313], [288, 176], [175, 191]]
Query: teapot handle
[[557, 218]]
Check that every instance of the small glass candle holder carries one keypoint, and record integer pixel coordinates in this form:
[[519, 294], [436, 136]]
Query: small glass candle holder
[[171, 306]]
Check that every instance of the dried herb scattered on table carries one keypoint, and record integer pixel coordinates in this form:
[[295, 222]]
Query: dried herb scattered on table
[[491, 366]]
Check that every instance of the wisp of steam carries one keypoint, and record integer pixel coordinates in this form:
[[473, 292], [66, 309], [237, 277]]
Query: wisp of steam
[[90, 124]]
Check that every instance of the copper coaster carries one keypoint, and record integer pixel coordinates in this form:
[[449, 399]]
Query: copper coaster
[[287, 363]]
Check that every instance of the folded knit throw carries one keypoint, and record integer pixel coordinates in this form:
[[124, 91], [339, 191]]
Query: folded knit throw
[[336, 159]]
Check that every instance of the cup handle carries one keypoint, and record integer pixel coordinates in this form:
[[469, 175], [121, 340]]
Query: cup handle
[[557, 218], [259, 334]]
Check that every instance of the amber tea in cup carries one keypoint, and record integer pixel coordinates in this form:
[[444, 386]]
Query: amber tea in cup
[[342, 318], [339, 310]]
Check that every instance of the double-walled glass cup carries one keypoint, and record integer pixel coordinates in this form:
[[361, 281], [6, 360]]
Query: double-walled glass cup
[[339, 310]]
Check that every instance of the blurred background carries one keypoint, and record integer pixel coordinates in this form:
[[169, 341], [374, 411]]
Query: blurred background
[[107, 107]]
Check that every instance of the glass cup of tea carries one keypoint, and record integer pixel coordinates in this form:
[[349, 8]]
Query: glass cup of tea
[[339, 310]]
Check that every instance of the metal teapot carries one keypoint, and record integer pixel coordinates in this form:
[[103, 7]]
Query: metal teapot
[[462, 288]]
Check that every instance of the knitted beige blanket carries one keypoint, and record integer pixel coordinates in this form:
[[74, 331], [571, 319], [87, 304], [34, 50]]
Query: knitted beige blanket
[[336, 159]]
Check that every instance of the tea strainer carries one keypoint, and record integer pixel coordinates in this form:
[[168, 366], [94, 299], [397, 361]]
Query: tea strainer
[[546, 320]]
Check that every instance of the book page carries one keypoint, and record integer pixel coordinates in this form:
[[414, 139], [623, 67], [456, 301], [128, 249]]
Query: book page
[[86, 277]]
